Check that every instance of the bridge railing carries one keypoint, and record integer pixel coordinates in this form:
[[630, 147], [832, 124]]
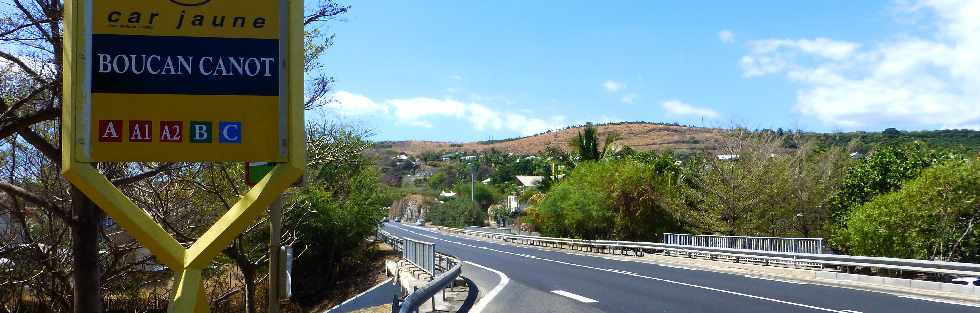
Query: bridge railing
[[420, 253], [796, 245], [444, 268]]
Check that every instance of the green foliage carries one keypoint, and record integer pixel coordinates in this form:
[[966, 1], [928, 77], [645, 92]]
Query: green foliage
[[332, 227], [965, 140], [440, 181], [881, 172], [484, 195], [623, 199], [930, 217], [457, 212], [586, 143]]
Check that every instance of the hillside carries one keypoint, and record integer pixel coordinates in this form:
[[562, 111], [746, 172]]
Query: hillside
[[654, 136], [640, 136]]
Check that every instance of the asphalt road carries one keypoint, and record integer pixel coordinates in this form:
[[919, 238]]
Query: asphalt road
[[549, 281]]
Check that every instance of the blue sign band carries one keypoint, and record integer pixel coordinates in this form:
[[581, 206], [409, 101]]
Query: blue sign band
[[185, 65]]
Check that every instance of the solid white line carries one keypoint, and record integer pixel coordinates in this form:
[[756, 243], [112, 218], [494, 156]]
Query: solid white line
[[574, 296], [938, 300], [482, 304], [359, 295]]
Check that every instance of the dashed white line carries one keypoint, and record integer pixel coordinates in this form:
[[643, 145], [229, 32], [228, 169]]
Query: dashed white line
[[479, 306], [574, 296]]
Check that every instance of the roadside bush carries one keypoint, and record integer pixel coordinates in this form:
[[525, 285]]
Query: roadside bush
[[623, 199], [457, 212], [332, 222], [931, 217]]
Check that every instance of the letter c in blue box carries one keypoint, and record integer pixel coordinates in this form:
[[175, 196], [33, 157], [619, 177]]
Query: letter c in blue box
[[230, 132]]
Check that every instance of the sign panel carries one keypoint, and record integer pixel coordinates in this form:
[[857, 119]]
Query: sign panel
[[184, 80]]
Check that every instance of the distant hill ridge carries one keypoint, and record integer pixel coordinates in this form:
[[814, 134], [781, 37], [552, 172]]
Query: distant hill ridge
[[663, 136]]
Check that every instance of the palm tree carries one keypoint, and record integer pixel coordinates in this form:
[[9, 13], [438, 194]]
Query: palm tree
[[587, 143]]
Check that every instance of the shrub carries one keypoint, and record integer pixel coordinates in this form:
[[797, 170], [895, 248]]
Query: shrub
[[623, 199], [931, 217]]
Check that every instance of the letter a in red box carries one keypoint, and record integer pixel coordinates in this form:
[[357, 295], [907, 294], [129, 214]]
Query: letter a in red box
[[110, 130], [140, 131], [171, 131]]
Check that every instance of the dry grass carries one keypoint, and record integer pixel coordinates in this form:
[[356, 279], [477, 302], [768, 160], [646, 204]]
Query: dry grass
[[641, 137], [378, 309]]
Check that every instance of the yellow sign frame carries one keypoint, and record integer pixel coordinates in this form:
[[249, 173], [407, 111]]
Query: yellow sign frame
[[188, 262]]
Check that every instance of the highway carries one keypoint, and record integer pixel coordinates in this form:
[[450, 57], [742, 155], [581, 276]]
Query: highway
[[524, 279]]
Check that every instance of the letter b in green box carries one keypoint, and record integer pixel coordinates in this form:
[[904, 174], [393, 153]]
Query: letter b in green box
[[201, 132]]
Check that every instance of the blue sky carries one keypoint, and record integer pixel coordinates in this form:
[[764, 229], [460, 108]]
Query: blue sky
[[473, 70]]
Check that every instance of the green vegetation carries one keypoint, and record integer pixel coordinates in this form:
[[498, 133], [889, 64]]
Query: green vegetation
[[886, 193], [882, 172], [933, 216], [622, 199]]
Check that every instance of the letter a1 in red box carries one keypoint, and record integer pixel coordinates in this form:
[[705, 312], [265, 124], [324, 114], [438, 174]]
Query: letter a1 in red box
[[171, 131], [110, 130], [140, 131]]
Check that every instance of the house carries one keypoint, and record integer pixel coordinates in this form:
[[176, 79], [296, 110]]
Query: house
[[529, 181], [447, 194], [487, 181], [728, 157], [469, 158], [515, 206]]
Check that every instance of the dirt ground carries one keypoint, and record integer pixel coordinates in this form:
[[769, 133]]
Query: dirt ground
[[355, 285]]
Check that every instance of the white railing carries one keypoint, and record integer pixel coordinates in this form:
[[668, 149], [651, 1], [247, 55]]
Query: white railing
[[420, 253], [796, 245], [443, 268]]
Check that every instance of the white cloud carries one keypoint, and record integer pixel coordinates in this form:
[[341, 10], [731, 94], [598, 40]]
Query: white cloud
[[915, 82], [349, 104], [414, 111], [456, 77], [420, 111], [629, 98], [613, 86], [527, 126], [483, 117], [676, 107], [726, 36]]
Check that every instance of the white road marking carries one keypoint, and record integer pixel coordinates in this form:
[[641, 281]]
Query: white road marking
[[359, 295], [482, 304], [574, 296], [939, 300]]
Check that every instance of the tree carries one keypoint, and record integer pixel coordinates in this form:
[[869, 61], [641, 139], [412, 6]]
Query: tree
[[736, 195], [931, 217], [586, 143], [883, 171], [622, 199]]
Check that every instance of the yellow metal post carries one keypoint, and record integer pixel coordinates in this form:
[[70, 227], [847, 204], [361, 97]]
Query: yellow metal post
[[188, 289]]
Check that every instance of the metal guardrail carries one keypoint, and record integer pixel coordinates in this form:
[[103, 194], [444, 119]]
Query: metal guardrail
[[796, 245], [420, 253], [737, 255], [445, 269]]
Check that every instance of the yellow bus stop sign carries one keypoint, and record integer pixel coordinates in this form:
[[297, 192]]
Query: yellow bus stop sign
[[183, 81]]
